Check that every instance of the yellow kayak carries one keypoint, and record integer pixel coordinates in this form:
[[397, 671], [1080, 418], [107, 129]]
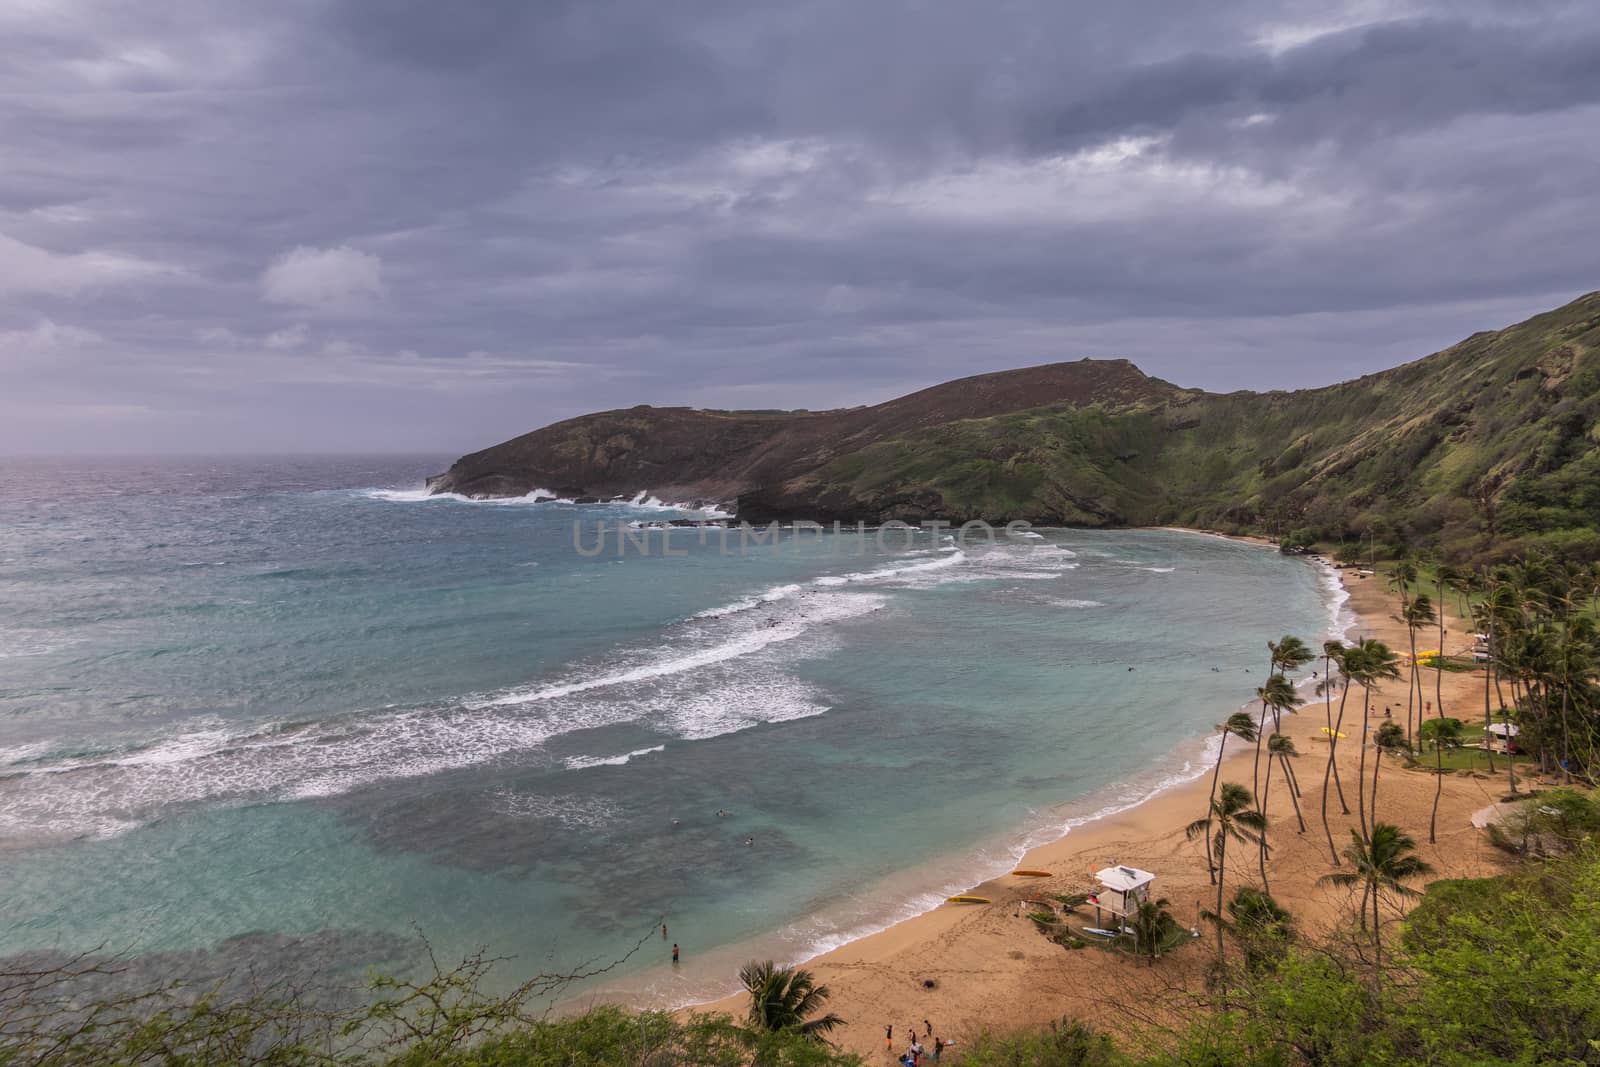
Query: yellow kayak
[[1030, 874], [968, 900], [1331, 733]]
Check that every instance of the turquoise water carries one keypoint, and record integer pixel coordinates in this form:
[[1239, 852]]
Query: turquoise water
[[297, 697]]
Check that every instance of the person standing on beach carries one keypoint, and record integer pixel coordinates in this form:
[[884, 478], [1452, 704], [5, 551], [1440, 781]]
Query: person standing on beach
[[674, 952], [928, 1027], [888, 1038]]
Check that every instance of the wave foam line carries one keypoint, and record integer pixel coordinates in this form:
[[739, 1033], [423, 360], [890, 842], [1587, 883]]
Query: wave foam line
[[791, 627], [954, 557], [578, 763]]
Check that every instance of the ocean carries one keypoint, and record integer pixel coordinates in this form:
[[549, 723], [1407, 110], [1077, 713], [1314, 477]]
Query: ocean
[[253, 704]]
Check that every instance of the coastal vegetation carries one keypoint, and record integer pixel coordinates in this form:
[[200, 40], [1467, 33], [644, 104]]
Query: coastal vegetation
[[1481, 453]]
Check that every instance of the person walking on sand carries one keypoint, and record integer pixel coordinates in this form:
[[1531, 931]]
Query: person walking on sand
[[888, 1038], [674, 952], [926, 1025]]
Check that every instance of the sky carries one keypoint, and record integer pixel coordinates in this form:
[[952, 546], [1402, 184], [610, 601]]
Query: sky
[[407, 225]]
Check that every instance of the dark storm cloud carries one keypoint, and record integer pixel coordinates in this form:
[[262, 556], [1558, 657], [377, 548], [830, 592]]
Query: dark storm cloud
[[389, 223]]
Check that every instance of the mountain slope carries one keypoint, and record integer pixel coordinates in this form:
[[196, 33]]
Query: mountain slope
[[1496, 439], [689, 452]]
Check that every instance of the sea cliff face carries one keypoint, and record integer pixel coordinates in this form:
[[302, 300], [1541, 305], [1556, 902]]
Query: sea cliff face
[[1494, 441]]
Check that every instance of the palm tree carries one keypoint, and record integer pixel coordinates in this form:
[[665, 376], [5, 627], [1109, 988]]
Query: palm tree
[[1347, 658], [1389, 739], [1449, 578], [1289, 653], [1383, 863], [1498, 612], [1332, 654], [1235, 820], [1277, 696], [1417, 614], [1402, 579], [1446, 733], [1260, 925], [1242, 726], [1281, 747], [786, 998], [1367, 664], [1151, 922]]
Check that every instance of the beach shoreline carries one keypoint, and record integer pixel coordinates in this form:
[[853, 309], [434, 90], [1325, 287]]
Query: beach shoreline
[[990, 968]]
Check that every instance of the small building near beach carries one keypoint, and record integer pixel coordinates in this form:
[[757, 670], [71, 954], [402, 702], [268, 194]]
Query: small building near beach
[[1120, 891], [1500, 737]]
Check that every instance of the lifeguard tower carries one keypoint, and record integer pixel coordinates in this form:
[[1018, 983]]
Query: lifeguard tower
[[1120, 892]]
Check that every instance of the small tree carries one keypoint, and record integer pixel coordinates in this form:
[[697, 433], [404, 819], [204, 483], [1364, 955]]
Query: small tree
[[1262, 927], [1382, 864], [1389, 740], [1152, 924], [1444, 733], [787, 998]]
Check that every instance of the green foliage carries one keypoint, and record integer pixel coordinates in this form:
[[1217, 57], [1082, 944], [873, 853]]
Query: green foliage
[[787, 999], [1486, 448], [1263, 929], [1154, 929], [1556, 821], [1067, 1043], [1509, 969], [611, 1037]]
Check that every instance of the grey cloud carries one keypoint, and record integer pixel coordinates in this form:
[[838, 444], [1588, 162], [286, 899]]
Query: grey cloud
[[713, 201]]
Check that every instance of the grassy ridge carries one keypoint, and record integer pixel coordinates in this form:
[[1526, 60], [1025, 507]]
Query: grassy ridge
[[1493, 440]]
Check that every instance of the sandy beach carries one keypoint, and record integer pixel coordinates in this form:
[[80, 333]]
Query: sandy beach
[[990, 968]]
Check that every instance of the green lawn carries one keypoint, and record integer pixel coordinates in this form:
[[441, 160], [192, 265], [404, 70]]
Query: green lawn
[[1469, 757]]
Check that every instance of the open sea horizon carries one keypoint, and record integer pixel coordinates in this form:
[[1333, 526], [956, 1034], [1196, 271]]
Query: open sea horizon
[[254, 704]]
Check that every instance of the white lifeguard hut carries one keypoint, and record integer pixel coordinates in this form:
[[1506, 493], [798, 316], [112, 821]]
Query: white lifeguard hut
[[1120, 891], [1500, 736]]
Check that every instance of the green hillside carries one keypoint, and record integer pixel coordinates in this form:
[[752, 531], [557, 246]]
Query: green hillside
[[1493, 442]]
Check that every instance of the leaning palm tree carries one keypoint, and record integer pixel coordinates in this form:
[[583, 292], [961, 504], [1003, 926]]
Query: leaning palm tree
[[1332, 655], [1242, 726], [1288, 653], [786, 999], [1348, 658], [1277, 697], [1235, 820], [1404, 577], [1369, 663], [1384, 863], [1281, 747], [1417, 614]]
